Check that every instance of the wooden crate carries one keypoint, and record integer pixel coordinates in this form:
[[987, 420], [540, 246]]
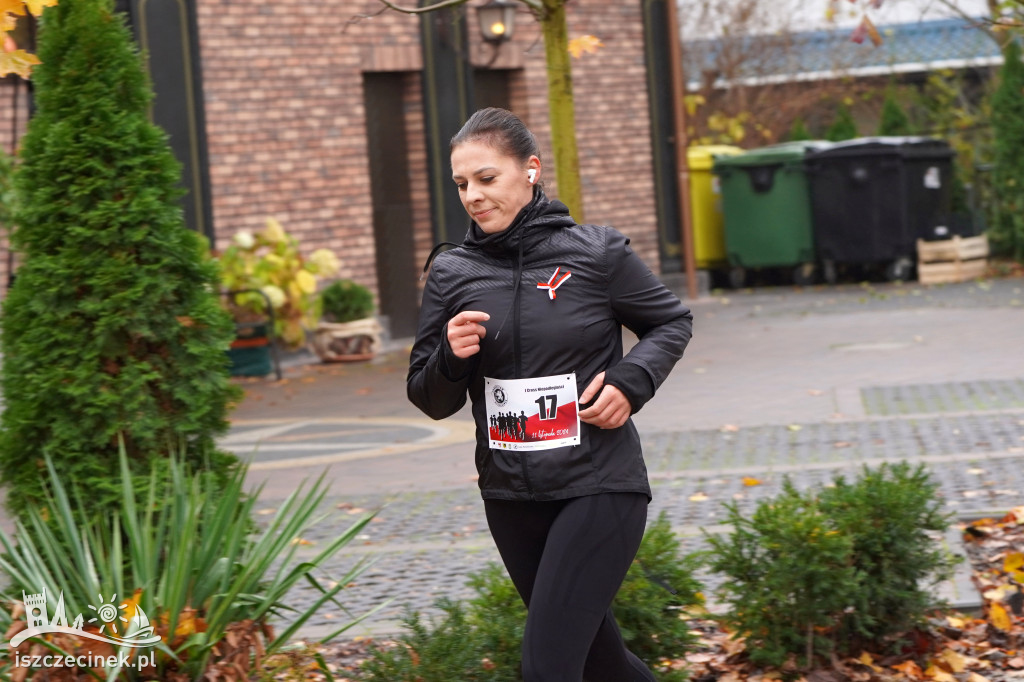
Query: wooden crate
[[952, 260]]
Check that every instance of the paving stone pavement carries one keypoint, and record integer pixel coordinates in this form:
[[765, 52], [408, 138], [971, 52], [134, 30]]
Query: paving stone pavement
[[778, 383], [799, 383]]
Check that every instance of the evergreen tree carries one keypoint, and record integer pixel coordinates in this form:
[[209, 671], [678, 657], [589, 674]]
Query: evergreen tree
[[112, 332], [843, 127], [1007, 231], [894, 120], [798, 131]]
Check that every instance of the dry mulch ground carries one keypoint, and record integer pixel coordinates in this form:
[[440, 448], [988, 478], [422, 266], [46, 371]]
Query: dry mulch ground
[[955, 647]]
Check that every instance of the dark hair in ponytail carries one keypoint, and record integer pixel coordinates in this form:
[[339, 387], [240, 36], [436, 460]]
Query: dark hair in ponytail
[[500, 129]]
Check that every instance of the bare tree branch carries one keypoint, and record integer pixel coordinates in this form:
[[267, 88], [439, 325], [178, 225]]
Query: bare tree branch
[[356, 18], [423, 10], [535, 5], [981, 25]]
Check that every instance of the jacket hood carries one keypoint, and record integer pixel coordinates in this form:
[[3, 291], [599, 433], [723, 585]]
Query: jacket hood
[[531, 224]]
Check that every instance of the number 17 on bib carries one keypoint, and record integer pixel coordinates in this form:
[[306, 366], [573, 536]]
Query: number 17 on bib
[[532, 414]]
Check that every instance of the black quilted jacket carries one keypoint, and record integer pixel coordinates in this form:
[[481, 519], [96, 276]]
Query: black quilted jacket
[[531, 335]]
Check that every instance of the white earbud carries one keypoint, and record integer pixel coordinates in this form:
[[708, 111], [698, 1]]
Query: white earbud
[[531, 174]]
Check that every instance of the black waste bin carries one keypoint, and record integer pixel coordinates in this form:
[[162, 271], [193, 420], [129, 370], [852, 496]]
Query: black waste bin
[[873, 198]]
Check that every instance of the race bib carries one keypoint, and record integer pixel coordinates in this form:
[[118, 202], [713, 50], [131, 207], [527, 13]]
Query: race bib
[[532, 414]]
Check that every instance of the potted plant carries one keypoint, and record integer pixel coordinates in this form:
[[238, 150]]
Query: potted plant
[[270, 290], [347, 330]]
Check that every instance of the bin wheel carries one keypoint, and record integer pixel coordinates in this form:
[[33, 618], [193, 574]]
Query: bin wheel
[[898, 270], [737, 277], [829, 272], [803, 274]]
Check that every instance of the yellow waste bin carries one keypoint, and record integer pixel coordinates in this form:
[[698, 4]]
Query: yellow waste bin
[[706, 205]]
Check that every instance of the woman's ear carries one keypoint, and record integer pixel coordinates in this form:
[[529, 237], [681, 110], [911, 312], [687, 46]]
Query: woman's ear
[[533, 170]]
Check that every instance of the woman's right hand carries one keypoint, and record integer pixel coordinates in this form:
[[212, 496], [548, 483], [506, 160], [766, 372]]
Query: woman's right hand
[[465, 332]]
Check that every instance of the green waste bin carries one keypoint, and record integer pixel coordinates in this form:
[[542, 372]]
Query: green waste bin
[[706, 204], [767, 207]]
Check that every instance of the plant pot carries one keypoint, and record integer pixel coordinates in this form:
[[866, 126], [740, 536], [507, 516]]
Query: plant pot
[[249, 353], [347, 341]]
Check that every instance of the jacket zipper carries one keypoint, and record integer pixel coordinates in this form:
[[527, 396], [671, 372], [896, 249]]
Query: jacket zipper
[[517, 354]]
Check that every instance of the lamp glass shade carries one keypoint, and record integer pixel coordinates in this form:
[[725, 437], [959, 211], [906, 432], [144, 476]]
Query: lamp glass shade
[[497, 20]]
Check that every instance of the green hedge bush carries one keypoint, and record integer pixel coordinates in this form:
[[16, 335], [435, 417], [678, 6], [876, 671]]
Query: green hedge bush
[[1007, 232], [480, 640], [828, 571], [345, 301], [112, 330]]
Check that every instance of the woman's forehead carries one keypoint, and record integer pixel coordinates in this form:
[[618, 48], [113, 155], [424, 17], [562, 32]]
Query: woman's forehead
[[476, 155]]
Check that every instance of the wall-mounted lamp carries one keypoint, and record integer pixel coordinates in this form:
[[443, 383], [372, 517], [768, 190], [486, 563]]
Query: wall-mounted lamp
[[497, 21]]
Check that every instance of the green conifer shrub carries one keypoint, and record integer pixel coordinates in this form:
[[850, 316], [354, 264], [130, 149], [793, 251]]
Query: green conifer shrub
[[828, 571], [481, 639], [1007, 232], [798, 132], [843, 127], [788, 577], [892, 513], [893, 120], [345, 301], [112, 330]]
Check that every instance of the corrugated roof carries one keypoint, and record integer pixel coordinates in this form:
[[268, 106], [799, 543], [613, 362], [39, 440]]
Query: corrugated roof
[[815, 55]]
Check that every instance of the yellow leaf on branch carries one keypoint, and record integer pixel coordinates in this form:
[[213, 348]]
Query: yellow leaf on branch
[[584, 44], [12, 59], [19, 62], [12, 7], [36, 7]]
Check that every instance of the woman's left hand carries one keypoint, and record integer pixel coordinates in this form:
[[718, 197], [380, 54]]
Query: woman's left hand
[[610, 410]]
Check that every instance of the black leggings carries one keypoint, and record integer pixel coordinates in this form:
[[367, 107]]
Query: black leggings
[[567, 560]]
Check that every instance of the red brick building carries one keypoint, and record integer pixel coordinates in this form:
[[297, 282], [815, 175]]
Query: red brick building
[[334, 118]]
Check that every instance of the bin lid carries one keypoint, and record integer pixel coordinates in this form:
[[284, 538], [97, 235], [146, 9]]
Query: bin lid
[[773, 154], [906, 146], [702, 157]]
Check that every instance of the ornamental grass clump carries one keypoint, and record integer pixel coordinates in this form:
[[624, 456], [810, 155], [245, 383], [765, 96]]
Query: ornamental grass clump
[[112, 329], [830, 571], [206, 577]]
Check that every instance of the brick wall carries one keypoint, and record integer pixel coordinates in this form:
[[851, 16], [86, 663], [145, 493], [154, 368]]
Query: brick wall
[[286, 117]]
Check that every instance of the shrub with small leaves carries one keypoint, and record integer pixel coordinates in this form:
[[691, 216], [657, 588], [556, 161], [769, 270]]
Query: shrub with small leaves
[[844, 127], [832, 570], [1007, 232], [659, 588], [446, 647], [345, 301], [112, 330], [481, 640], [788, 577], [798, 131], [891, 513], [893, 120]]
